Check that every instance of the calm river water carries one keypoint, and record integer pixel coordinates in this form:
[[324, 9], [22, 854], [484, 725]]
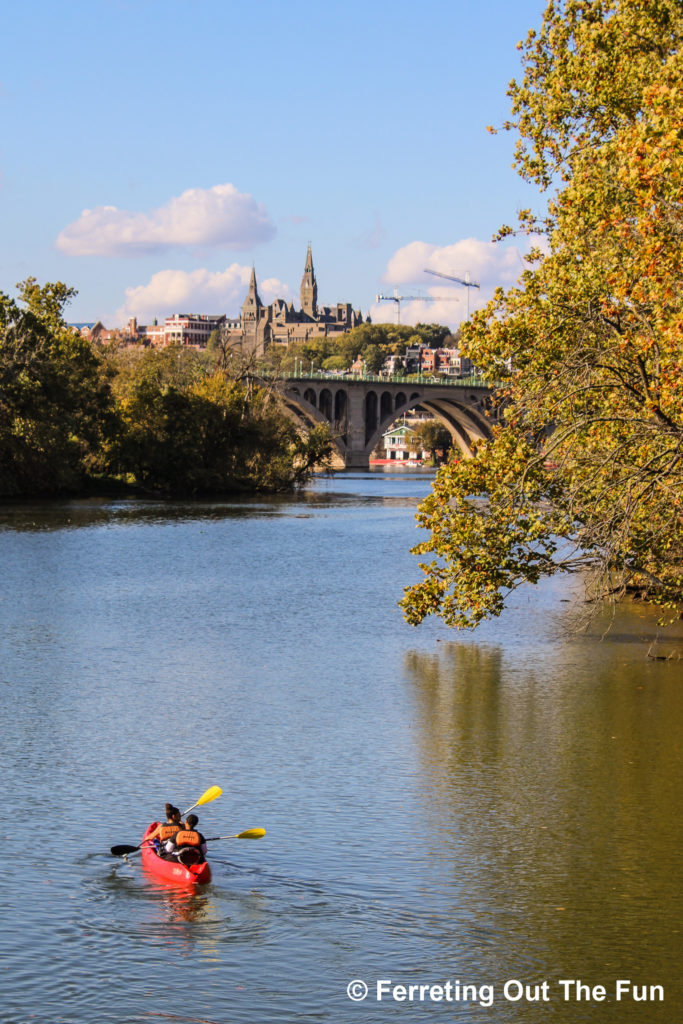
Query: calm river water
[[500, 809]]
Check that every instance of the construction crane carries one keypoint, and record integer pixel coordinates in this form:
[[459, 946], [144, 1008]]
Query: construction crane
[[398, 299], [466, 281]]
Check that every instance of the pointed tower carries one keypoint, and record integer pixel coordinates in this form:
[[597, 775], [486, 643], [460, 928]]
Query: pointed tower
[[254, 315], [309, 288], [252, 305]]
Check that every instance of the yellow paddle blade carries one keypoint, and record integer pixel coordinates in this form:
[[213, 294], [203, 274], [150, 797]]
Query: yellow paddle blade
[[252, 833], [212, 793]]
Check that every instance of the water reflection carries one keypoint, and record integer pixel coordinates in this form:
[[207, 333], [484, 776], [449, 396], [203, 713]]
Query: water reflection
[[183, 904], [553, 788], [38, 517]]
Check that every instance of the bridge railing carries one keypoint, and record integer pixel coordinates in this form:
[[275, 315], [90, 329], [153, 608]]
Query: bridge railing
[[413, 378]]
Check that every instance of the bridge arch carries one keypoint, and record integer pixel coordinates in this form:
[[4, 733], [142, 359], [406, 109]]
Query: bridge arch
[[371, 414], [303, 409], [464, 423], [325, 404], [340, 422], [359, 410]]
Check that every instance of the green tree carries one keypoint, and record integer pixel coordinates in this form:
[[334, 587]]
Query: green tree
[[316, 350], [175, 420], [586, 472], [176, 366], [434, 335], [46, 302], [190, 429], [336, 363], [56, 407], [373, 357], [432, 436]]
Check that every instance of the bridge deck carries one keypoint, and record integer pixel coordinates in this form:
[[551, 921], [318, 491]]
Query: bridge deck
[[366, 378]]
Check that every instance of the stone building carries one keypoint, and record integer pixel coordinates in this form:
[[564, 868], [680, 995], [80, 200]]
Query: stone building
[[257, 327], [281, 324]]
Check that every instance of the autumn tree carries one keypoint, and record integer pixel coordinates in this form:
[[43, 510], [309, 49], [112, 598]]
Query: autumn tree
[[190, 428], [586, 471]]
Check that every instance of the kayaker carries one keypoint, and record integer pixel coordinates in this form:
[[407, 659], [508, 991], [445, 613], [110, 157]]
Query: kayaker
[[188, 844], [165, 831]]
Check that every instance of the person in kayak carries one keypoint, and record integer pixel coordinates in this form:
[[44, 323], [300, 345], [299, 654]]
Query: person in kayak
[[165, 831], [188, 845]]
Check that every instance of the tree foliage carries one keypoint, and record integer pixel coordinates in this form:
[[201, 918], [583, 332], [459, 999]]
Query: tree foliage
[[586, 471], [55, 399], [374, 342], [432, 436], [188, 427], [175, 421], [373, 358]]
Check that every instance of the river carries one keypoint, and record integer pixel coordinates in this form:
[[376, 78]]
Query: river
[[495, 816]]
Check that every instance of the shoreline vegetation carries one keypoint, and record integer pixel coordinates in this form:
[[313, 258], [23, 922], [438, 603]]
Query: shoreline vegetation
[[77, 419], [585, 474]]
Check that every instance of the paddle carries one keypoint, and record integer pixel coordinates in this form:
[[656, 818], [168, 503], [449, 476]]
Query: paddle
[[124, 851], [212, 793], [250, 833]]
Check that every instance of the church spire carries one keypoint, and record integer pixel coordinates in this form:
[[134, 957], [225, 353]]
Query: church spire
[[309, 288], [253, 291], [252, 305]]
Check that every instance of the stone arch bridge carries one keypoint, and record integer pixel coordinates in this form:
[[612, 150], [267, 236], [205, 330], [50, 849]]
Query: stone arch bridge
[[360, 409]]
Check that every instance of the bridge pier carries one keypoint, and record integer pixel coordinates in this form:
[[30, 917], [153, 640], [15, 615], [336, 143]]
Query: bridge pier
[[356, 455], [356, 460]]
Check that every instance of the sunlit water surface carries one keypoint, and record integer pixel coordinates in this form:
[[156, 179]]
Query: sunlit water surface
[[480, 808]]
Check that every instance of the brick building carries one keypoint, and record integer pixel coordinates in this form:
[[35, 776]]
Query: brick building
[[193, 329]]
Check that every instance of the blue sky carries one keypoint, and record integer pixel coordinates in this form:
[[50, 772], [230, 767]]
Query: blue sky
[[202, 137]]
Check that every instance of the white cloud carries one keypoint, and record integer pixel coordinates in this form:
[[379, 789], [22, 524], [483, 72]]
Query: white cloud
[[490, 265], [273, 288], [219, 216], [195, 291]]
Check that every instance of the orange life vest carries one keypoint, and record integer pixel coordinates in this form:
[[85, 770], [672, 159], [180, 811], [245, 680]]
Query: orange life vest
[[166, 831], [187, 837]]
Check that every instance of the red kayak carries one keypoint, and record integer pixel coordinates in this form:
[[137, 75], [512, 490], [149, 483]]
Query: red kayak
[[172, 870]]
